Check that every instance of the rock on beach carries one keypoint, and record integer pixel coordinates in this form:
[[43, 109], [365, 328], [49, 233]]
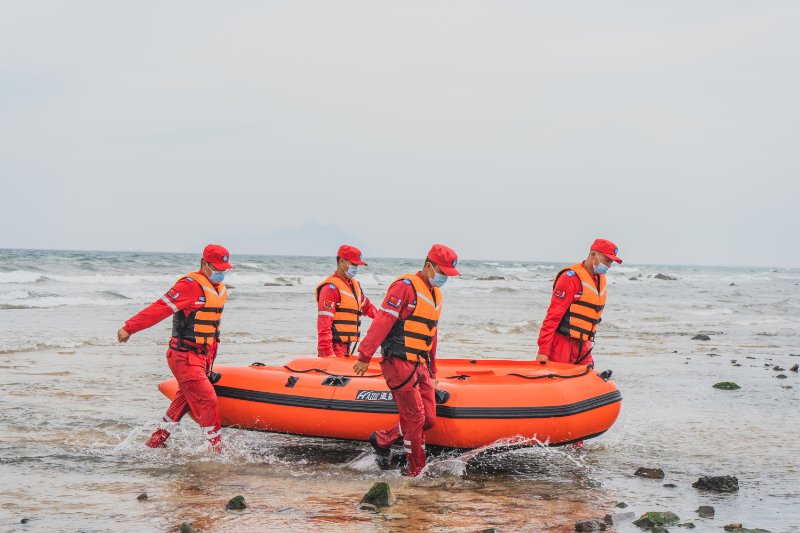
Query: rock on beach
[[717, 483]]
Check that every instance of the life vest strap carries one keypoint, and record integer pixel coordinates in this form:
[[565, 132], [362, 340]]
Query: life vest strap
[[585, 318], [348, 310], [420, 336], [428, 322], [214, 323], [590, 306], [351, 322], [586, 332], [413, 355]]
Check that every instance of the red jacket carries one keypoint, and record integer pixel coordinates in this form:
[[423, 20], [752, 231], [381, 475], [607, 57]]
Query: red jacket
[[183, 296], [567, 289], [390, 312], [328, 298]]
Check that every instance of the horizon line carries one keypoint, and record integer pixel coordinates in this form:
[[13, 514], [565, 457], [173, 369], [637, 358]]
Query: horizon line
[[381, 257]]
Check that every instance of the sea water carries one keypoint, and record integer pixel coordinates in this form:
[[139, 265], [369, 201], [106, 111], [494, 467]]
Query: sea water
[[76, 406]]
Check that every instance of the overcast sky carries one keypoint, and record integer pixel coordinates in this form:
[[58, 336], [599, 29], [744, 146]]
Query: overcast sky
[[507, 130]]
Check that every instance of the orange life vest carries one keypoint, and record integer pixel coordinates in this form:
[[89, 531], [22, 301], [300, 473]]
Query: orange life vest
[[346, 325], [200, 327], [411, 339], [583, 316]]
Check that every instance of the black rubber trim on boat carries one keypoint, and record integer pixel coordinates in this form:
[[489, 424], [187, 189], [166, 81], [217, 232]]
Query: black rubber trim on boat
[[443, 411]]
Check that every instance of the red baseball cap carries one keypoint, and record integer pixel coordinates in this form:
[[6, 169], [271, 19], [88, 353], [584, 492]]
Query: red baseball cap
[[351, 253], [446, 258], [217, 256], [607, 248]]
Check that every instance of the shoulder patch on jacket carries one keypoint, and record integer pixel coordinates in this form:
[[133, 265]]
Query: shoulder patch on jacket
[[331, 286], [328, 304], [559, 294], [570, 273], [394, 301], [187, 278], [407, 281]]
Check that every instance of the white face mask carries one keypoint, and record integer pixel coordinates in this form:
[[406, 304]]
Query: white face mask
[[600, 268], [351, 272]]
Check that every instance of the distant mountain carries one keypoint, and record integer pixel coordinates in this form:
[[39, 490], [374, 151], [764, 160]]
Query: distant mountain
[[309, 239]]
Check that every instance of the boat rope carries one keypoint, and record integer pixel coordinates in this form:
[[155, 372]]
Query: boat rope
[[329, 373], [550, 376]]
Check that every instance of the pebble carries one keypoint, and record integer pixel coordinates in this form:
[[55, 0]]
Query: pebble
[[142, 497], [795, 368], [590, 525], [701, 337], [652, 520], [781, 376], [726, 385], [618, 518], [651, 473], [717, 483], [394, 516], [705, 511], [380, 494], [236, 503], [186, 527]]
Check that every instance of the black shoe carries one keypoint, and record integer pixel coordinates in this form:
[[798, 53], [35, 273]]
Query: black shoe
[[381, 454]]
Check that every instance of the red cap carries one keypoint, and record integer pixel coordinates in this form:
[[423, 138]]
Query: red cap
[[446, 258], [351, 253], [607, 248], [217, 256]]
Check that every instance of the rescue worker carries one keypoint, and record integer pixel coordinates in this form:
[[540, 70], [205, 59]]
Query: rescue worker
[[340, 305], [406, 331], [195, 302], [579, 296]]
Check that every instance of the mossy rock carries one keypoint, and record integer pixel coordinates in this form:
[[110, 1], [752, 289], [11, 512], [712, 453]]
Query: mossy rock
[[726, 385], [655, 519], [380, 495], [186, 527], [236, 503]]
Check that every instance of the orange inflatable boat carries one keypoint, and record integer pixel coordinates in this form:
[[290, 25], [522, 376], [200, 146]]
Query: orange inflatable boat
[[478, 401]]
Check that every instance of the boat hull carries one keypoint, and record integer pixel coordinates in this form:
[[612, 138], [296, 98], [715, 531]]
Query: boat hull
[[481, 401]]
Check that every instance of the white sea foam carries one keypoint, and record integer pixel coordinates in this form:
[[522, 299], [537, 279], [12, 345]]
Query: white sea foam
[[20, 276]]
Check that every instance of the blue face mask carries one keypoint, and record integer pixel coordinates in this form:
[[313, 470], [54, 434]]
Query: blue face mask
[[600, 269], [438, 280], [351, 272], [217, 276]]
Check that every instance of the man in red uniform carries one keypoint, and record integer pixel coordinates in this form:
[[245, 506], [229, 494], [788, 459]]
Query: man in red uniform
[[406, 329], [340, 305], [195, 303], [556, 342]]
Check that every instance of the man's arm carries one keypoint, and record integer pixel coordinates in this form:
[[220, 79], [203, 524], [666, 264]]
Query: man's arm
[[432, 362], [563, 295], [183, 295], [367, 308], [326, 307]]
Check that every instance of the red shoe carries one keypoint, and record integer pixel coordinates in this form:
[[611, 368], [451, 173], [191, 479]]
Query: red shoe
[[157, 439]]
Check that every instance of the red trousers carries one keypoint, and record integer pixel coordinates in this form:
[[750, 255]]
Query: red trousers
[[195, 393], [416, 405], [340, 349], [569, 350]]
